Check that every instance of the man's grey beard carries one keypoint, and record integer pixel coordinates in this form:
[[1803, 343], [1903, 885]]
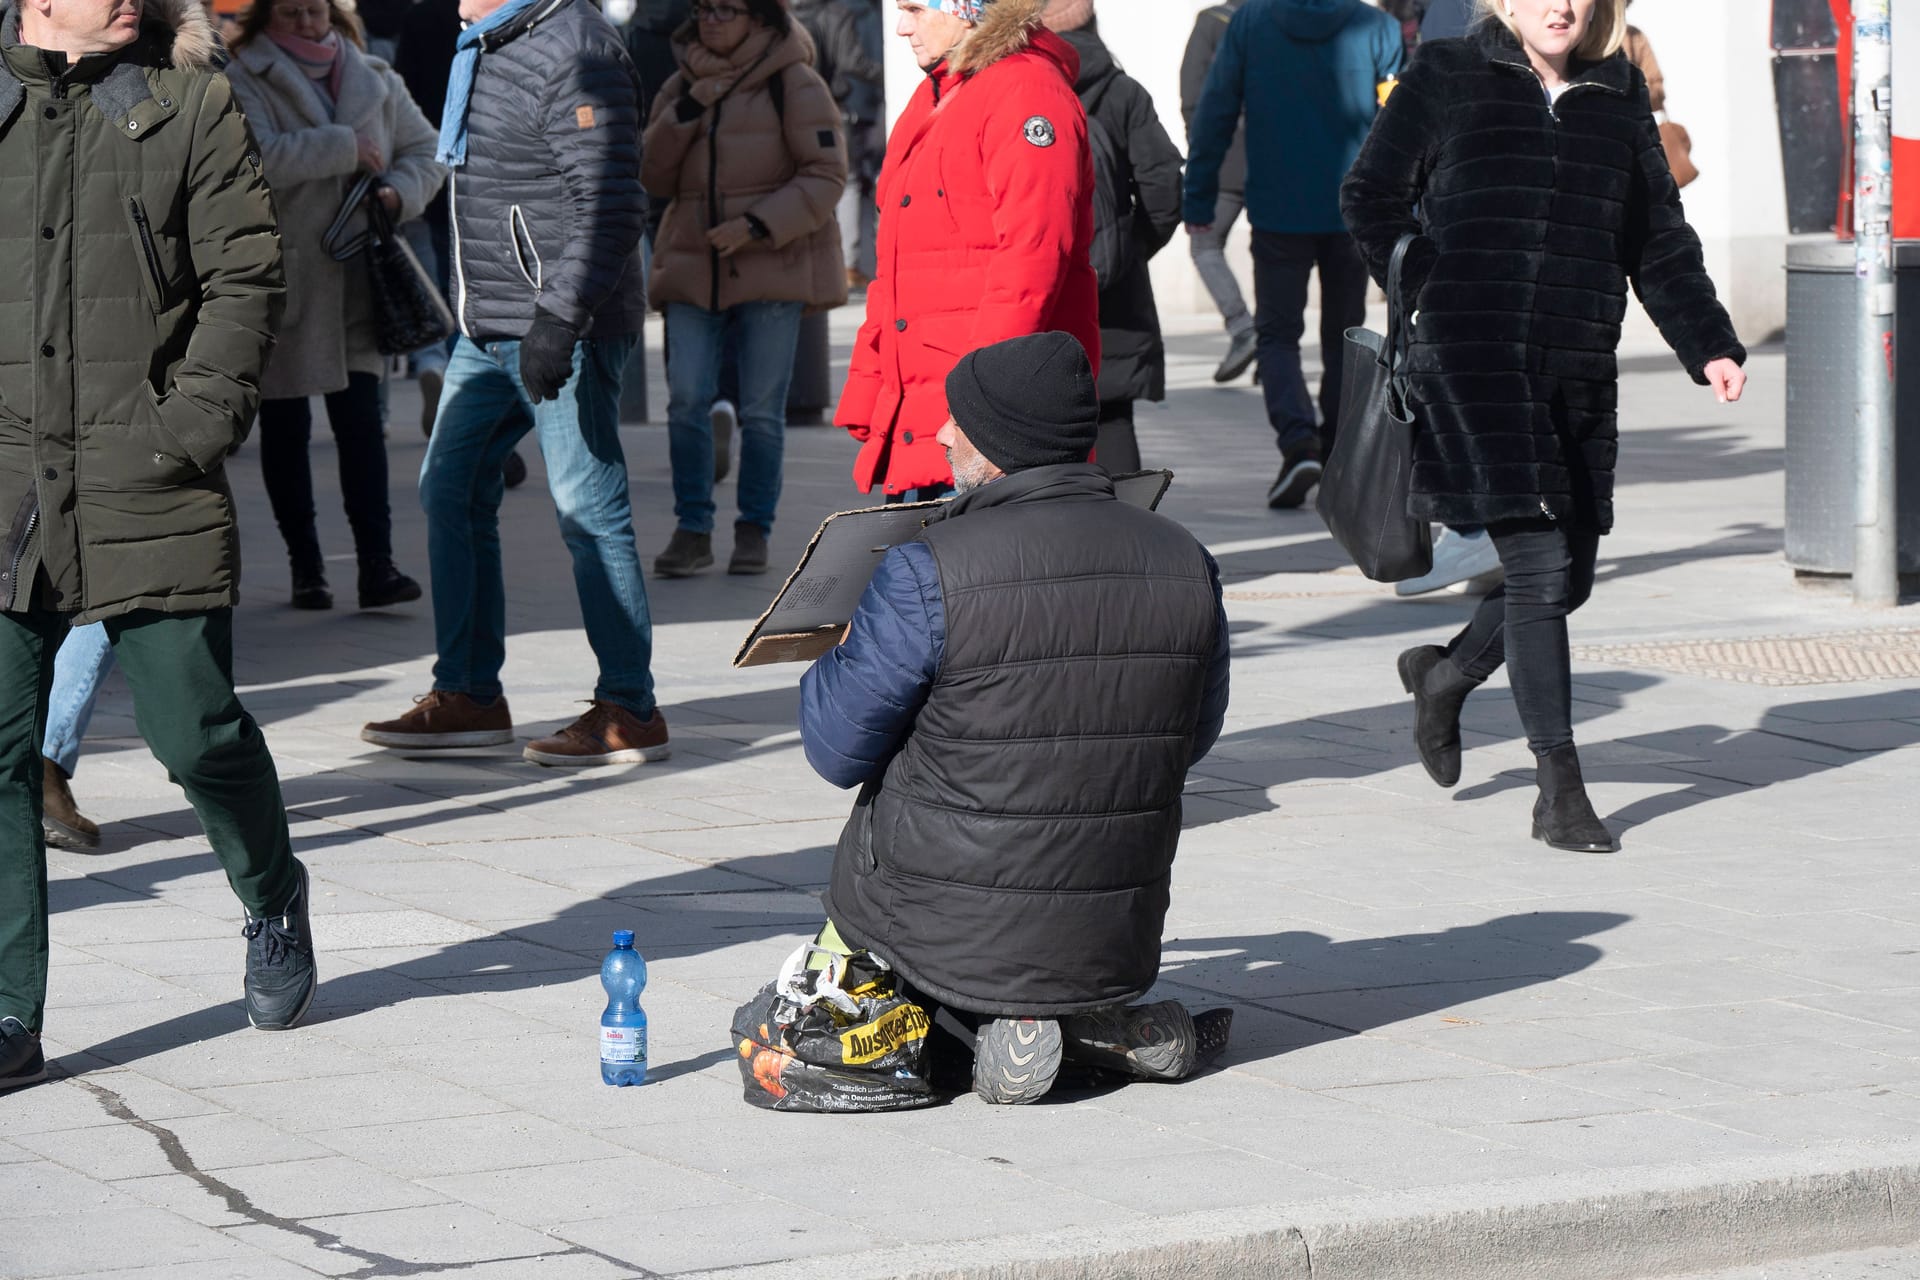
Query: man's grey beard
[[966, 479]]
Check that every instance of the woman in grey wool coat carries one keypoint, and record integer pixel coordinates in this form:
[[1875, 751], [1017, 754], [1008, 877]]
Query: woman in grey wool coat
[[324, 111]]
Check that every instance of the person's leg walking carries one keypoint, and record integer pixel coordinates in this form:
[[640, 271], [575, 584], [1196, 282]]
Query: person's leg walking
[[768, 333], [82, 664], [180, 669], [286, 429], [587, 472], [26, 677], [1343, 306], [482, 414], [1117, 448], [358, 419], [1282, 265], [84, 659], [1209, 252], [696, 344]]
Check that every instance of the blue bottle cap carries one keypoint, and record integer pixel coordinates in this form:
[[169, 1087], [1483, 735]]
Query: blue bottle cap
[[623, 937]]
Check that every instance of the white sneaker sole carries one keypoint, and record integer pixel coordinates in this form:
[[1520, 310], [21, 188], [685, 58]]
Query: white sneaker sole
[[438, 741], [638, 755]]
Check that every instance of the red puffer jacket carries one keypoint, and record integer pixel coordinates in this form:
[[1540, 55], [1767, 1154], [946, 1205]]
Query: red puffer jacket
[[986, 233]]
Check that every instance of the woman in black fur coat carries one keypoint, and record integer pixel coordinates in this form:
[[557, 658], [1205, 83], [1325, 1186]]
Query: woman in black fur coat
[[1530, 152]]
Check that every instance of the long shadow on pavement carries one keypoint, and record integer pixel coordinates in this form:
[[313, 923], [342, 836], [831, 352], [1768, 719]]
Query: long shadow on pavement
[[1327, 990]]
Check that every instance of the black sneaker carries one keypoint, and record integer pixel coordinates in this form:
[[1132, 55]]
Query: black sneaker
[[21, 1062], [310, 590], [1299, 472], [1016, 1059], [280, 972], [1147, 1041]]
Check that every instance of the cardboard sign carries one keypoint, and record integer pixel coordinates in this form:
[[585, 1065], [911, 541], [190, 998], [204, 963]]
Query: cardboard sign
[[818, 599]]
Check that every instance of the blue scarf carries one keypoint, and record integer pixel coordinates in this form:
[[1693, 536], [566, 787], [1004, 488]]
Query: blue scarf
[[466, 64]]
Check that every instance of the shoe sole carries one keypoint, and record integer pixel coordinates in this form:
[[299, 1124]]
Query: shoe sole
[[21, 1082], [438, 741], [681, 571], [1016, 1061], [61, 836], [1291, 490], [636, 755], [387, 602], [1170, 1059], [1568, 846]]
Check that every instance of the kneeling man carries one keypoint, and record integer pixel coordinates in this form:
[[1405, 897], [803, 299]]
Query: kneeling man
[[1018, 699]]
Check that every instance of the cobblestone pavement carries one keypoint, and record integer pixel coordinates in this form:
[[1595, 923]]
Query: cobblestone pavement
[[1428, 1003]]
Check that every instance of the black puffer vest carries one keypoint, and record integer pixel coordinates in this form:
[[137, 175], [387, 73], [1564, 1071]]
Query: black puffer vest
[[1014, 859]]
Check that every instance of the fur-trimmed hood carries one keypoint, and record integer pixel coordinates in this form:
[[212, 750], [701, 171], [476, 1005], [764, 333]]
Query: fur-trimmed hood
[[195, 46], [1006, 28]]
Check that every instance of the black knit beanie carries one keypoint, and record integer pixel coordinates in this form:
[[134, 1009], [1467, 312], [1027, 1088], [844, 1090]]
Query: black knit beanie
[[1027, 402]]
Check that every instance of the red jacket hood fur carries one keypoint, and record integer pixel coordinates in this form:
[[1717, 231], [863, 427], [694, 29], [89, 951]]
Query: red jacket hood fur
[[986, 233]]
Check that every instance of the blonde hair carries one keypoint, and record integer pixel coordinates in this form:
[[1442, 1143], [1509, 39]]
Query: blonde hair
[[1606, 35]]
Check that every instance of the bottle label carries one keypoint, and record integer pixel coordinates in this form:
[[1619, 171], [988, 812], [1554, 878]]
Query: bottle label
[[623, 1044]]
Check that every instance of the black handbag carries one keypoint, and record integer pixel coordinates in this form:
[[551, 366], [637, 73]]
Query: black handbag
[[1364, 489], [409, 312]]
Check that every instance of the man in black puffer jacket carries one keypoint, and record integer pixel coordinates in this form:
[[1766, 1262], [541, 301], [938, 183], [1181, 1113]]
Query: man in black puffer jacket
[[541, 130], [1019, 698]]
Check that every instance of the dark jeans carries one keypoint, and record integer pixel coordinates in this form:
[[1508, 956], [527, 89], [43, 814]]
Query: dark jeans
[[359, 435], [1523, 623], [1118, 449], [180, 668], [1281, 265]]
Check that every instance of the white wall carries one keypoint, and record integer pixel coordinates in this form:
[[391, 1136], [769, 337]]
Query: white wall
[[1719, 85]]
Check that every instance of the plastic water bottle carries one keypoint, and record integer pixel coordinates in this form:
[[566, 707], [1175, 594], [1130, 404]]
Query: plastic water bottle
[[623, 1027]]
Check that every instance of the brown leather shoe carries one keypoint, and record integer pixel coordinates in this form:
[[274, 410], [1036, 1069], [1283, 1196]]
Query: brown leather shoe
[[606, 734], [61, 821], [442, 719]]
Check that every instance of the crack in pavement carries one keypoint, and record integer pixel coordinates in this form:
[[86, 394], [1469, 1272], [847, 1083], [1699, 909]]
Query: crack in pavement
[[238, 1203]]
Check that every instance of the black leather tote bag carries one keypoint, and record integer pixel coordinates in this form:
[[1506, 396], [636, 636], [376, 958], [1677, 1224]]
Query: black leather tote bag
[[409, 312], [1363, 491]]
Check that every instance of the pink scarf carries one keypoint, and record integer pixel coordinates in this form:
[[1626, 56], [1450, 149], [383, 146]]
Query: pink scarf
[[322, 60]]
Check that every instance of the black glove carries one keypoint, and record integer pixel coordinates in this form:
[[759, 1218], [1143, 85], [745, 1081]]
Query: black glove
[[688, 108], [546, 357]]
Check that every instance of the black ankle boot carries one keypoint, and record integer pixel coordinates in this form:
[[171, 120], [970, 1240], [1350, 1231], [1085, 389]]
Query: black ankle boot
[[1439, 691], [1563, 816], [310, 589], [382, 584]]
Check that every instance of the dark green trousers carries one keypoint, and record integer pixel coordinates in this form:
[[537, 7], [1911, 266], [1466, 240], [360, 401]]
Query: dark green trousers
[[180, 668]]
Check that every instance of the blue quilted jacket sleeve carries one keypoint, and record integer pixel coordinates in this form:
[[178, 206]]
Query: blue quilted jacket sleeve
[[1213, 701], [858, 703]]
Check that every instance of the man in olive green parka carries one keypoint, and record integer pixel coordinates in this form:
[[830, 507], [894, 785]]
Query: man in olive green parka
[[140, 282]]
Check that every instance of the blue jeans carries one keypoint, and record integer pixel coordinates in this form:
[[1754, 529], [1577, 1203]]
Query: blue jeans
[[766, 333], [82, 664], [484, 411]]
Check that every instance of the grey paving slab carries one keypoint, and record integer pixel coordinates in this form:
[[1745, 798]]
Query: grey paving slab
[[1431, 1010]]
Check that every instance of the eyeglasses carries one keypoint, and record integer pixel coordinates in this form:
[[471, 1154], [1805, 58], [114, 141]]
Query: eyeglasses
[[719, 13]]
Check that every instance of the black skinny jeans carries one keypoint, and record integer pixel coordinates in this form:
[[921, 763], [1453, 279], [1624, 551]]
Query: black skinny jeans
[[286, 428], [1523, 623], [1117, 448]]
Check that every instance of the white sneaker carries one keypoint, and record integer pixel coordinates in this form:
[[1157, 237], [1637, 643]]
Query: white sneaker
[[1458, 557]]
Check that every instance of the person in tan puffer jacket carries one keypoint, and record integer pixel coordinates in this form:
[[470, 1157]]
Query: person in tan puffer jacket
[[746, 143]]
